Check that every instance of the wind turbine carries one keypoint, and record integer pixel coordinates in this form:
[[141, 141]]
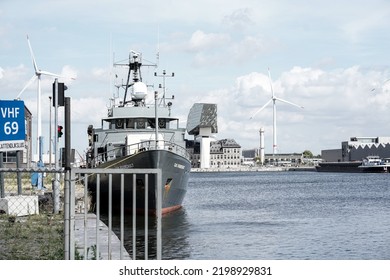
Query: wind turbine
[[273, 100], [37, 75]]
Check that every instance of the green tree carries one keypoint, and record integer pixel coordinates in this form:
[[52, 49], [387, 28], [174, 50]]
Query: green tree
[[307, 154]]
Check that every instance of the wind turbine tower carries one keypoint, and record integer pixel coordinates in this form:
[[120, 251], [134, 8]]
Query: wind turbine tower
[[37, 75], [273, 100]]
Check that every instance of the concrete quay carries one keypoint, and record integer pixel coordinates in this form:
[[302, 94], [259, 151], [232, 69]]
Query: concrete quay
[[89, 225]]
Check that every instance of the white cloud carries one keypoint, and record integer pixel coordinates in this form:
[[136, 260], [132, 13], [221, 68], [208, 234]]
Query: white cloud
[[201, 41], [239, 19], [219, 48], [88, 110], [216, 51], [69, 73], [336, 103]]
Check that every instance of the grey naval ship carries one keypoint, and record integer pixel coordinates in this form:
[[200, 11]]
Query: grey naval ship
[[140, 136]]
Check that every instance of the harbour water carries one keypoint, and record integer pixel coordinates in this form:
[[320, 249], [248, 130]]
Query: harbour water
[[279, 216]]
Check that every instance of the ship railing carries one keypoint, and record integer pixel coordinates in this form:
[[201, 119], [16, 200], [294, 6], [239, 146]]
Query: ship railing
[[123, 150], [157, 145]]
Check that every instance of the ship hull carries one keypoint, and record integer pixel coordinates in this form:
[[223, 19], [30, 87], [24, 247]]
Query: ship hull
[[175, 171], [347, 167], [376, 169], [352, 167]]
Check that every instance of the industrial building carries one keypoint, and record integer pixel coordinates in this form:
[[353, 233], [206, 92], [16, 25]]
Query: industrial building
[[287, 159], [358, 148]]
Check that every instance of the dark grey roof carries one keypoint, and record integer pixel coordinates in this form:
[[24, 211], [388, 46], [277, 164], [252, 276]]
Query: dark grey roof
[[202, 115], [226, 143]]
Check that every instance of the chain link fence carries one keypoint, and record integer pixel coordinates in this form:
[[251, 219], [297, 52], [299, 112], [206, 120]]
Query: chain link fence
[[48, 215], [30, 191], [31, 214]]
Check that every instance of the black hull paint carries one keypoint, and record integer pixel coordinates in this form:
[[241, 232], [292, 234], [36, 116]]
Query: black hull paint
[[351, 167], [347, 167], [175, 175]]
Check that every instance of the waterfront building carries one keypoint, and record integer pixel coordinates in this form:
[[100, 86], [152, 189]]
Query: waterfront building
[[202, 123], [225, 153], [285, 159], [358, 148]]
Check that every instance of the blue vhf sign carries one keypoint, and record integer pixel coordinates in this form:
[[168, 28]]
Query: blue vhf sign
[[12, 125]]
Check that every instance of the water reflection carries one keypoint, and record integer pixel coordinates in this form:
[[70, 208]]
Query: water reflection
[[175, 234]]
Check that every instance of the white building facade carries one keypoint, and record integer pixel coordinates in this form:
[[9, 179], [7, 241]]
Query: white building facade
[[225, 153]]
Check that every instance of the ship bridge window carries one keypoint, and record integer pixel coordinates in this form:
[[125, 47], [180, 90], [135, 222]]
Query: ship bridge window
[[119, 124], [151, 123], [162, 123], [129, 123], [140, 123]]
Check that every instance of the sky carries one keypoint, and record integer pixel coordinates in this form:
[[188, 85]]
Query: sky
[[331, 57]]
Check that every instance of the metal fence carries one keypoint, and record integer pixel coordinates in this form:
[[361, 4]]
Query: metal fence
[[31, 223], [94, 224], [112, 196]]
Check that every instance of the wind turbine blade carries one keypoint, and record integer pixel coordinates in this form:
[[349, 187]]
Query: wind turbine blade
[[270, 82], [288, 102], [265, 105], [32, 56], [50, 74], [26, 86]]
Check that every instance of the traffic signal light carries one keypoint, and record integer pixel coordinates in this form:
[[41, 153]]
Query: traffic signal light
[[59, 131], [61, 91]]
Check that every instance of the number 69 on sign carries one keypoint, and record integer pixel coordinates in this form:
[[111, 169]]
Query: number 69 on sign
[[11, 128]]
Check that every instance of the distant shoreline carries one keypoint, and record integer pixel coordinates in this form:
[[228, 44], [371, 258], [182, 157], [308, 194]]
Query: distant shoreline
[[252, 169]]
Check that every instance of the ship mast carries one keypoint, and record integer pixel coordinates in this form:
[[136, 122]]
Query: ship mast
[[134, 79], [135, 66]]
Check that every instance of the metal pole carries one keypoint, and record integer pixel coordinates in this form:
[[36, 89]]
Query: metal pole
[[159, 214], [72, 217], [68, 184], [2, 194], [67, 255], [156, 116], [50, 130], [56, 185], [134, 217], [122, 216], [146, 216], [18, 174], [67, 133]]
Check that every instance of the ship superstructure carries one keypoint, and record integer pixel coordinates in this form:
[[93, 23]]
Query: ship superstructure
[[135, 134]]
